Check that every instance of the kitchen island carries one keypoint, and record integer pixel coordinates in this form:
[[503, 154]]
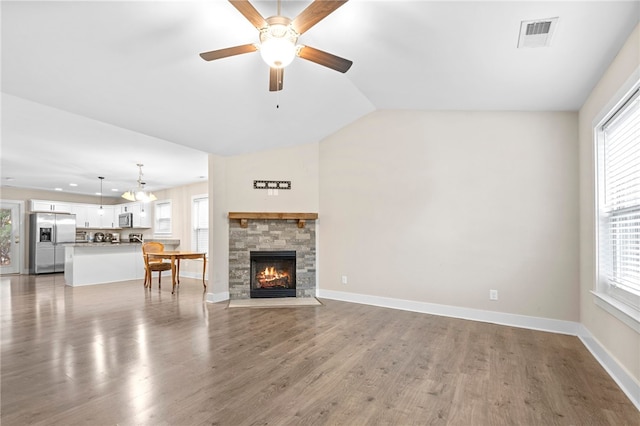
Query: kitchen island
[[100, 263]]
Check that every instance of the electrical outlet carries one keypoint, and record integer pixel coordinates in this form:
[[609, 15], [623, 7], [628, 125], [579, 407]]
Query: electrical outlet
[[344, 279], [493, 294]]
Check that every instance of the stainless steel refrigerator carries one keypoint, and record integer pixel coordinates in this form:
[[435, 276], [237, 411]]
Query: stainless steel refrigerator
[[47, 234]]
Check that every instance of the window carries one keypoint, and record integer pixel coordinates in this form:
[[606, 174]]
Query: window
[[618, 170], [163, 217], [200, 221]]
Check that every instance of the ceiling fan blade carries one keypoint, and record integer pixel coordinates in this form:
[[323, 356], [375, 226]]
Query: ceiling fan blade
[[323, 58], [229, 51], [249, 12], [276, 77], [314, 13]]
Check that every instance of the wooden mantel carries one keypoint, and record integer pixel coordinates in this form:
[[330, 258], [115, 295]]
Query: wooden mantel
[[245, 216]]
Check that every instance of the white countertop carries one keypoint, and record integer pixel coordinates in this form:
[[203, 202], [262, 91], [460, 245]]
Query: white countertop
[[91, 244], [166, 242]]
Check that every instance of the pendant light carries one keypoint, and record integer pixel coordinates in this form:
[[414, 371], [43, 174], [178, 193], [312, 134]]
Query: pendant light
[[139, 194], [101, 210]]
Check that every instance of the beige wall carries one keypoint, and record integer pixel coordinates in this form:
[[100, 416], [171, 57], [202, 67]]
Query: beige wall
[[181, 200], [617, 338], [441, 207], [297, 164], [219, 233], [231, 187]]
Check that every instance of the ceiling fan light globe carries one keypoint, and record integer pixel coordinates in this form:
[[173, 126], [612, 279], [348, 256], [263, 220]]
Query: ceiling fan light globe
[[277, 52]]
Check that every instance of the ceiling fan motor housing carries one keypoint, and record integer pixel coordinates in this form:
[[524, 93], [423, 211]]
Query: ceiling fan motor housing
[[278, 42]]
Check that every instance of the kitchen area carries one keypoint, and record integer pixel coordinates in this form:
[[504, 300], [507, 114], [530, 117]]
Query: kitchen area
[[89, 247]]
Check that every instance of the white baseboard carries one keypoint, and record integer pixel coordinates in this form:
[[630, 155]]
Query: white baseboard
[[627, 383], [217, 297], [187, 274], [514, 320]]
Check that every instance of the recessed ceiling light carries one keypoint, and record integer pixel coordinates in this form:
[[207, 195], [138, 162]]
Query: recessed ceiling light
[[115, 190], [73, 184], [98, 193], [57, 189]]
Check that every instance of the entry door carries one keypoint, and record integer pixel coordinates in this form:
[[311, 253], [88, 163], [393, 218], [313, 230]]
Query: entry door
[[9, 238]]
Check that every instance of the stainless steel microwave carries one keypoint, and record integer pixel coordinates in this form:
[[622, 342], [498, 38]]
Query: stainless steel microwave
[[125, 220]]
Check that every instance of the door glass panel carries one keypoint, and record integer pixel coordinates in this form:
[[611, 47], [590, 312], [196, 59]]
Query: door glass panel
[[6, 233], [9, 238]]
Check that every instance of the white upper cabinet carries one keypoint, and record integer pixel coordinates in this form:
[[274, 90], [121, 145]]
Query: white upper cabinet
[[141, 216], [104, 220], [88, 215], [110, 217], [50, 206], [80, 210]]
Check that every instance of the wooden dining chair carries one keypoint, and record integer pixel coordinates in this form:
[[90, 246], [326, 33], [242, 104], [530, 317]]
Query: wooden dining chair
[[151, 264]]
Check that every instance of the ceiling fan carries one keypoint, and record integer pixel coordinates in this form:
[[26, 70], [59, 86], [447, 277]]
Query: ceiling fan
[[278, 37]]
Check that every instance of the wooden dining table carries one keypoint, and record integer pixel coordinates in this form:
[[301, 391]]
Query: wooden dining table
[[175, 257]]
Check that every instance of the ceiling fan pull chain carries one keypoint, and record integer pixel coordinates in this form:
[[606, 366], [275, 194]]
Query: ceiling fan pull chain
[[279, 91]]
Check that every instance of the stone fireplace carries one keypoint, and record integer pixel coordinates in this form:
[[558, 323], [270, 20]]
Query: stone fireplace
[[272, 255]]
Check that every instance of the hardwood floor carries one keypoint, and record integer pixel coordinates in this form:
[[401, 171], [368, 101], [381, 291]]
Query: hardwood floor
[[119, 354]]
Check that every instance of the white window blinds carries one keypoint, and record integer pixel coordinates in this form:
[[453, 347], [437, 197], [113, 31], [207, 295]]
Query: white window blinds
[[200, 238], [619, 167], [163, 217]]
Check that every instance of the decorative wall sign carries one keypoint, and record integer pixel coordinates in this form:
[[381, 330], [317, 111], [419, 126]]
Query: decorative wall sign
[[271, 184]]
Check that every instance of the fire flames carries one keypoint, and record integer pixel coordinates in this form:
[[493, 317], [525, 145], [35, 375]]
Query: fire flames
[[271, 277]]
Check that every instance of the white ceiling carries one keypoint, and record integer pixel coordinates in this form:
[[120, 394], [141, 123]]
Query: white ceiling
[[91, 88]]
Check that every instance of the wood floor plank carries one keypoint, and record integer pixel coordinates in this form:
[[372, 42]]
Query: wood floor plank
[[120, 354]]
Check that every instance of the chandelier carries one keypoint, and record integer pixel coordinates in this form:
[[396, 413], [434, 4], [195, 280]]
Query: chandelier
[[139, 194]]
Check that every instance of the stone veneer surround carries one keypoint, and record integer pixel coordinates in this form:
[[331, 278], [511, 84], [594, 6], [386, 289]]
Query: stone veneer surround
[[271, 234]]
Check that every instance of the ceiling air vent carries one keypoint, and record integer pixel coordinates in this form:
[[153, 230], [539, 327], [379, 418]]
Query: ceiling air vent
[[537, 33]]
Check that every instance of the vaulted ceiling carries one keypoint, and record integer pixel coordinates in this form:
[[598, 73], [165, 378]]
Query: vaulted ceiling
[[91, 88]]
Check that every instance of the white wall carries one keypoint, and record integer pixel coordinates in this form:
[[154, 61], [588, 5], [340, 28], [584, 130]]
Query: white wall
[[440, 207], [618, 339]]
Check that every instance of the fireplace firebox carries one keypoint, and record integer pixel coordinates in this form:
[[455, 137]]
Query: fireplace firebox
[[273, 274]]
